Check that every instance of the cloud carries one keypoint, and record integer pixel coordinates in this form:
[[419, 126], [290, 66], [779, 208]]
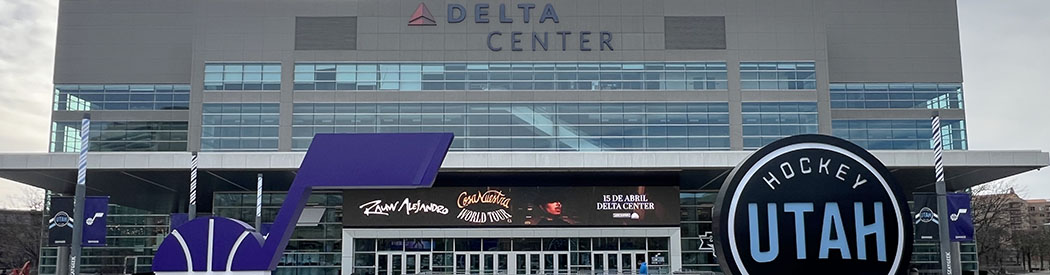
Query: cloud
[[26, 61], [1004, 68]]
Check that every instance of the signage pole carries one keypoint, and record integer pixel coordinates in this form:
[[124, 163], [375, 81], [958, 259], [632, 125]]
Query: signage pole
[[957, 260], [258, 204], [78, 200], [193, 186], [62, 265], [948, 258]]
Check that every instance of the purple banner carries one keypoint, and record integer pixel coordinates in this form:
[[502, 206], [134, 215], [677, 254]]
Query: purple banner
[[95, 211], [960, 227]]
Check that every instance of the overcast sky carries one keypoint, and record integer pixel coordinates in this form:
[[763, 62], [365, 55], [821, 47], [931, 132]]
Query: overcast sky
[[1005, 46]]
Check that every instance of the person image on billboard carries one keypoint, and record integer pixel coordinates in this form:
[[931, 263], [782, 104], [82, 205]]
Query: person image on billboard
[[551, 213]]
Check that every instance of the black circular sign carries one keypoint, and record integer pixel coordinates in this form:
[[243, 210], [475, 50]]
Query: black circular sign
[[812, 204]]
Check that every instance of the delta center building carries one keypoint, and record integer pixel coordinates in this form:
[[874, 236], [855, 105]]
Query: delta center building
[[590, 135]]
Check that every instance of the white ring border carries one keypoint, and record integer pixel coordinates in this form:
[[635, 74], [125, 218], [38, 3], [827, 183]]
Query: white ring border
[[802, 146]]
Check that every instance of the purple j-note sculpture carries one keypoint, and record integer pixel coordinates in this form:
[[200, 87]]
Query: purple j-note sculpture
[[334, 161]]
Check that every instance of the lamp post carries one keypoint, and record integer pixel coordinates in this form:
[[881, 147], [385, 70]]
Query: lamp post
[[78, 199], [193, 186], [950, 263]]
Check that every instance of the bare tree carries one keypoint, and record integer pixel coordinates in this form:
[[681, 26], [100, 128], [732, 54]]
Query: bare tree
[[26, 198], [1027, 243], [992, 206], [20, 244], [1042, 246], [20, 228]]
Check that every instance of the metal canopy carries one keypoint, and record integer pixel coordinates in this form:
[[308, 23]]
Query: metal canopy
[[159, 181]]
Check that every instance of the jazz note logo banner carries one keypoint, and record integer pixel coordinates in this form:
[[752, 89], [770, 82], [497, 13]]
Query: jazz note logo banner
[[96, 209], [960, 224], [812, 204]]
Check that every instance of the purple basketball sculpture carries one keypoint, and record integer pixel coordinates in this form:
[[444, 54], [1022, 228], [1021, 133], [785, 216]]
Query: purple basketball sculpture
[[334, 161]]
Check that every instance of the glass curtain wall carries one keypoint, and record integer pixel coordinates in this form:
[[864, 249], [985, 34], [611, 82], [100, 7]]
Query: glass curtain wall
[[88, 97], [900, 134], [896, 95], [240, 127], [528, 126], [312, 250], [519, 76], [132, 238], [120, 136]]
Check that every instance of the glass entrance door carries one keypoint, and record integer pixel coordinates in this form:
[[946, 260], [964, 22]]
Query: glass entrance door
[[472, 263], [514, 256], [539, 263], [614, 262], [553, 263], [487, 263], [402, 263], [503, 263]]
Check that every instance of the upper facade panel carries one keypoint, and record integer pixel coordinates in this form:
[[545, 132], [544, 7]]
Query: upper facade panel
[[124, 42], [154, 41], [889, 41]]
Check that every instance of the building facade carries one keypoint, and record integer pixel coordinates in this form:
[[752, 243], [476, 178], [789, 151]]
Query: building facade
[[637, 96], [1037, 213]]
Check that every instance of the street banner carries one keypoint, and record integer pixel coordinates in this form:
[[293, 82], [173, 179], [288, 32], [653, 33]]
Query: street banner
[[961, 218], [95, 211], [60, 224], [926, 219]]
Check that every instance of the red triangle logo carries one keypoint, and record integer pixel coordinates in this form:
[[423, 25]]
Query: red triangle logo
[[422, 17]]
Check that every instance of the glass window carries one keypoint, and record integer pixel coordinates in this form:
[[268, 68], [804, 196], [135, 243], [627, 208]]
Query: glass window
[[697, 236], [243, 126], [244, 76], [778, 76], [112, 136], [527, 244], [503, 76], [528, 126], [87, 97], [315, 247], [896, 96], [764, 122], [900, 134]]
